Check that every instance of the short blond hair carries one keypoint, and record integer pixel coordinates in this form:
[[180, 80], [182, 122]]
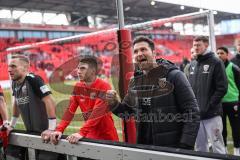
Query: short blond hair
[[22, 58]]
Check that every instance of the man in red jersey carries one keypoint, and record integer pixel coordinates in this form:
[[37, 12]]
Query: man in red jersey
[[88, 95], [3, 122], [3, 109]]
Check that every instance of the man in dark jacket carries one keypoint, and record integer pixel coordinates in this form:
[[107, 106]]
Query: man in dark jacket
[[208, 79], [236, 58], [230, 101], [161, 100]]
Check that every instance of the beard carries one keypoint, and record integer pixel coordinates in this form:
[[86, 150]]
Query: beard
[[145, 66], [16, 78]]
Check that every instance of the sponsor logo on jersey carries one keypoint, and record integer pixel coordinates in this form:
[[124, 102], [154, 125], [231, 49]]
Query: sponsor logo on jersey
[[146, 101], [22, 100]]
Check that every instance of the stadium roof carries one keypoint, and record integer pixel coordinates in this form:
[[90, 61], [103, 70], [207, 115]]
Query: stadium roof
[[135, 11], [219, 5]]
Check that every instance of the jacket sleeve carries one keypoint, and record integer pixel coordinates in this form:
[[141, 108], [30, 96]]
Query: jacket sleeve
[[1, 91], [236, 73], [187, 70], [187, 105], [220, 82], [125, 108], [68, 114]]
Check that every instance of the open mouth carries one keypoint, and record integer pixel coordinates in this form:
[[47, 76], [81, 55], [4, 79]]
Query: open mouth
[[143, 60]]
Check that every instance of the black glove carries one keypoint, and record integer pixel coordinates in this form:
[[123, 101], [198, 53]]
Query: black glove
[[185, 146]]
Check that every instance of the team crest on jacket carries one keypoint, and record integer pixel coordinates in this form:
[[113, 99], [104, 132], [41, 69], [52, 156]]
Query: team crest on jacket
[[24, 89], [92, 95], [205, 68], [162, 82]]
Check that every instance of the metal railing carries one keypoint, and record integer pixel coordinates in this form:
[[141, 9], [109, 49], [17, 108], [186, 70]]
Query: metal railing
[[109, 150]]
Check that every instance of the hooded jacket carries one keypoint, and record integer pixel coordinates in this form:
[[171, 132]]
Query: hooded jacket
[[163, 105], [209, 82], [236, 59]]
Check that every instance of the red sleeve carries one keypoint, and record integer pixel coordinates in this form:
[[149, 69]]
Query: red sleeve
[[1, 91], [99, 110], [69, 113]]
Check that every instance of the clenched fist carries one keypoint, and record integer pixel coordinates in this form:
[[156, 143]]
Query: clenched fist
[[111, 97], [55, 137], [46, 135]]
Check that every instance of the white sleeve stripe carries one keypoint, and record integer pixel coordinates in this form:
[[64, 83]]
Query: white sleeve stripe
[[44, 89]]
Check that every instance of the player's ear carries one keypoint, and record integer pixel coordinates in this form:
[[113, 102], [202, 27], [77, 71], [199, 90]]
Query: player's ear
[[154, 53]]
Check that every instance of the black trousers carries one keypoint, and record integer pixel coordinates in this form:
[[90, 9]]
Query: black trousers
[[21, 153], [232, 111]]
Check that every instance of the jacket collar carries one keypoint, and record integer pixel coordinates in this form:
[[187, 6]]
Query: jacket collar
[[205, 56], [238, 55], [226, 63]]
